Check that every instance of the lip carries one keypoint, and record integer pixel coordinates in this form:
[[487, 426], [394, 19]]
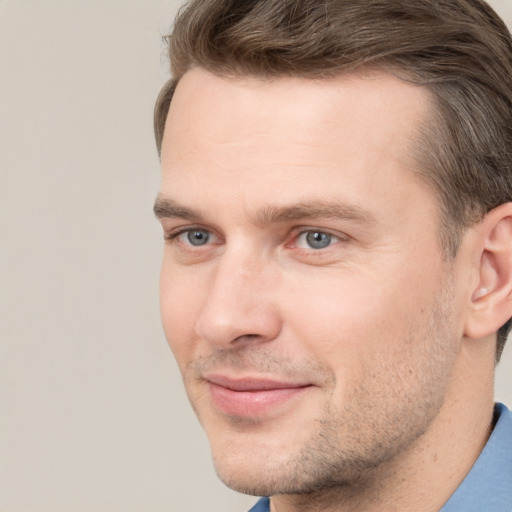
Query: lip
[[249, 397]]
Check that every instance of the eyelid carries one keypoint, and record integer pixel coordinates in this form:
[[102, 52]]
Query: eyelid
[[302, 242], [173, 234], [302, 230], [178, 231]]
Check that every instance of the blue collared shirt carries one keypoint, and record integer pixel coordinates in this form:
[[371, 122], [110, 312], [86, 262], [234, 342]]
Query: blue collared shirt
[[488, 486]]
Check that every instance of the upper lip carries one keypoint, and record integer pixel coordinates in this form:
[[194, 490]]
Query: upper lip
[[252, 383]]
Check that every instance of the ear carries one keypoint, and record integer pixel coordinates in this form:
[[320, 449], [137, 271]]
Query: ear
[[491, 300]]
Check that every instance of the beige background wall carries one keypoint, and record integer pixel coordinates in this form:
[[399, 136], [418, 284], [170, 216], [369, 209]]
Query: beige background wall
[[92, 413]]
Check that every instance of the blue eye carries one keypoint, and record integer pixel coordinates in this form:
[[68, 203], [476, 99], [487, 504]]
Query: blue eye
[[315, 240], [197, 237]]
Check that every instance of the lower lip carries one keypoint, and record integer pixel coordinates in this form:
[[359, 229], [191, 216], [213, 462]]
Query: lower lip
[[252, 403]]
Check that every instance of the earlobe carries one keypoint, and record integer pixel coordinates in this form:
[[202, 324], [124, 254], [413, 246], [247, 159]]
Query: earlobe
[[491, 300]]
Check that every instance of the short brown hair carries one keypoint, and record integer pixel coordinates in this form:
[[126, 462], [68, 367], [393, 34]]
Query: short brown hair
[[459, 49]]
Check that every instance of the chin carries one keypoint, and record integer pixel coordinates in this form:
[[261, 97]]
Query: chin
[[254, 464], [250, 475], [257, 477], [268, 465]]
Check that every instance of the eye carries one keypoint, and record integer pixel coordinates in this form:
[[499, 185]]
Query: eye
[[191, 244], [195, 237], [314, 239]]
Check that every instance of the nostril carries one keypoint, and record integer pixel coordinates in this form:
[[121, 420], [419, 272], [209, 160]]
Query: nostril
[[248, 337]]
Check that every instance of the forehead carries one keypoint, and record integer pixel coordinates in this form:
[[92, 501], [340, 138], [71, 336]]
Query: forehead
[[355, 129], [373, 93]]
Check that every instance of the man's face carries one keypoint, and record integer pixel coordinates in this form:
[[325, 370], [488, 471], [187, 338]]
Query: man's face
[[303, 290]]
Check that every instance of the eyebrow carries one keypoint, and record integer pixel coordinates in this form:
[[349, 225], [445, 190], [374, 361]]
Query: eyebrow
[[314, 210], [168, 208]]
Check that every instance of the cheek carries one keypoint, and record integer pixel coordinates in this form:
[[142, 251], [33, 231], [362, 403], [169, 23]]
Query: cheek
[[347, 319], [180, 301]]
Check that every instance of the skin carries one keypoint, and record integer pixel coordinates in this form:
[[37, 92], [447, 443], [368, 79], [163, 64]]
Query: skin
[[367, 334]]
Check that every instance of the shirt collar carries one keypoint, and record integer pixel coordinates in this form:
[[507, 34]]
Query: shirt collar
[[488, 486]]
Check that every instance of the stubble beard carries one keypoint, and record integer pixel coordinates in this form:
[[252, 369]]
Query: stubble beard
[[353, 443]]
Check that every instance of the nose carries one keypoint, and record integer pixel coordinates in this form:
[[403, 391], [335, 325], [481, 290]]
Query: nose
[[240, 305]]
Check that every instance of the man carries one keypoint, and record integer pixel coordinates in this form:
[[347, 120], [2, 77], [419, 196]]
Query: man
[[336, 285]]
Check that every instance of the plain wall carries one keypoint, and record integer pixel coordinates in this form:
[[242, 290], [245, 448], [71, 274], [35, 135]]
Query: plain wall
[[93, 416]]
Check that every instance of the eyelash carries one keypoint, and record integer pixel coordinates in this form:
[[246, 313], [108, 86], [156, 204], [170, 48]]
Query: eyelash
[[176, 234], [332, 239], [296, 235]]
